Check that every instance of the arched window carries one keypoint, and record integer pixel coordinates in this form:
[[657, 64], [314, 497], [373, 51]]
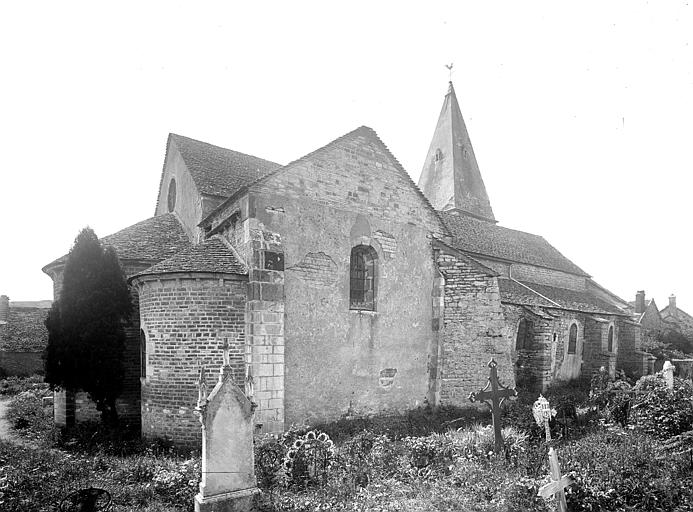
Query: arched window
[[143, 354], [525, 332], [362, 273], [572, 339], [171, 194], [439, 155], [610, 339]]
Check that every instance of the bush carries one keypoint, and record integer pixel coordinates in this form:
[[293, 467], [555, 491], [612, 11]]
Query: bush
[[618, 471], [661, 412]]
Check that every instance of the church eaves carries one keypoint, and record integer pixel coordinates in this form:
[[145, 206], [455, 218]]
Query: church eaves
[[153, 239], [450, 177], [210, 256]]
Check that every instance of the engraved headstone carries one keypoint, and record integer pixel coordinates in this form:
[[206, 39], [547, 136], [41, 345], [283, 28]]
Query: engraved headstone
[[228, 473]]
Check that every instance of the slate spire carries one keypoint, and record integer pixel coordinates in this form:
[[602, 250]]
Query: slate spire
[[450, 177]]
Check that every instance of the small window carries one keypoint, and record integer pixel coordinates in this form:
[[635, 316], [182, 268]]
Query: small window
[[525, 332], [143, 354], [572, 339], [363, 277], [610, 339], [171, 194], [439, 155]]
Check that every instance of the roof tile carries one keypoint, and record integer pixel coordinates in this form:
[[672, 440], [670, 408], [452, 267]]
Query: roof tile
[[487, 239]]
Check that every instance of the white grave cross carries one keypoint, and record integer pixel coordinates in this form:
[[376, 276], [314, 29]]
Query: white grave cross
[[542, 414], [557, 484]]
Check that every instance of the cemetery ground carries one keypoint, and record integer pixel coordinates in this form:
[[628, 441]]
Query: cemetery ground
[[627, 446]]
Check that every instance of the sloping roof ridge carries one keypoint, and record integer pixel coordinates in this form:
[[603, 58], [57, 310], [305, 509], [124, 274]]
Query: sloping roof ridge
[[163, 171], [361, 130], [408, 177], [178, 136], [467, 257], [231, 248], [606, 290], [536, 292], [666, 308]]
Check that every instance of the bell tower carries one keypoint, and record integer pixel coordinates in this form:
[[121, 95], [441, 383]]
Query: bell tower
[[450, 177]]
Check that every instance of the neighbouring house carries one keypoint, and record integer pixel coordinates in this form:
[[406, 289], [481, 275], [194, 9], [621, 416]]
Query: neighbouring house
[[23, 336]]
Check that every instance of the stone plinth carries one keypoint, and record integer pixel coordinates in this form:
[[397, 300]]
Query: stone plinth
[[228, 474]]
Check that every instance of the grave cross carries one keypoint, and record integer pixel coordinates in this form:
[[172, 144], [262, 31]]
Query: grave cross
[[557, 484], [494, 399], [542, 414]]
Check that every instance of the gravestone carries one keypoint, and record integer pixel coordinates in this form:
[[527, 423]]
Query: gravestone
[[557, 484], [228, 473], [494, 398], [668, 374], [542, 415]]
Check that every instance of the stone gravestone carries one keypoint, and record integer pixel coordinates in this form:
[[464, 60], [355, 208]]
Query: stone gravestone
[[228, 473], [668, 374], [493, 395]]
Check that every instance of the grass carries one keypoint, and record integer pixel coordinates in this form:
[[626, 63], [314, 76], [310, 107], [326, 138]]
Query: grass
[[420, 461]]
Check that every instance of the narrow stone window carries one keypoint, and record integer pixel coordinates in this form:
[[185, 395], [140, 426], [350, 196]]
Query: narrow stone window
[[524, 334], [610, 339], [363, 277], [171, 194], [143, 354], [439, 155], [572, 339]]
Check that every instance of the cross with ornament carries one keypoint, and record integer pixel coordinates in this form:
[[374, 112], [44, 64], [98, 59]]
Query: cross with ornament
[[556, 487], [543, 413], [493, 395]]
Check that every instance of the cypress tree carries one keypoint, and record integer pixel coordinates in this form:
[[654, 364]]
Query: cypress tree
[[86, 335]]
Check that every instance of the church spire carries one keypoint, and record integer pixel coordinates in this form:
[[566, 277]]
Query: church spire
[[450, 178]]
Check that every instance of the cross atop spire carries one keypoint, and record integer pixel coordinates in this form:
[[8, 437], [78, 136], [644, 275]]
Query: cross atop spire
[[450, 178]]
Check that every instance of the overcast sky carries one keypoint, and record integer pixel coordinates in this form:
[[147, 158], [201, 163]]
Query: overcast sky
[[579, 113]]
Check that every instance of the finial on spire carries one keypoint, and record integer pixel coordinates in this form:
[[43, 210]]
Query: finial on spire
[[449, 66]]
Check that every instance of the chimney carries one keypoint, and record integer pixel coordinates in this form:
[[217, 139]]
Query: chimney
[[4, 309], [640, 301], [672, 306]]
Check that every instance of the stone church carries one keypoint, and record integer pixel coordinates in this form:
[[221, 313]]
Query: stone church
[[340, 287]]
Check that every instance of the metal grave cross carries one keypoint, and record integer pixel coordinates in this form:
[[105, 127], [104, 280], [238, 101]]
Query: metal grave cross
[[557, 484], [494, 398]]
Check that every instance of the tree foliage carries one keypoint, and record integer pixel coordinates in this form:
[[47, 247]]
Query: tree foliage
[[86, 335]]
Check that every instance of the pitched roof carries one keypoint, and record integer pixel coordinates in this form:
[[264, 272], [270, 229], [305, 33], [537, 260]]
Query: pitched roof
[[212, 255], [450, 177], [487, 239], [218, 171], [154, 239], [533, 294], [25, 330]]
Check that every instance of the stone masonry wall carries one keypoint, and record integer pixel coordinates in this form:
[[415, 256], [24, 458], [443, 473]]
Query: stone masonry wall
[[338, 361], [186, 320], [475, 331]]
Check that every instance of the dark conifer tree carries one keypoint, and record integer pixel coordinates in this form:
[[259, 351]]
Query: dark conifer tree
[[86, 336]]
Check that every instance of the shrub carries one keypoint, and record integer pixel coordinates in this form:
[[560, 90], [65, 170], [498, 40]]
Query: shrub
[[617, 471], [661, 412]]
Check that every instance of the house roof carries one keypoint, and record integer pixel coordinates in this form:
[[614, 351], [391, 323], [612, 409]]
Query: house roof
[[210, 256], [25, 330], [533, 294], [218, 171], [486, 239], [666, 314], [154, 239]]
